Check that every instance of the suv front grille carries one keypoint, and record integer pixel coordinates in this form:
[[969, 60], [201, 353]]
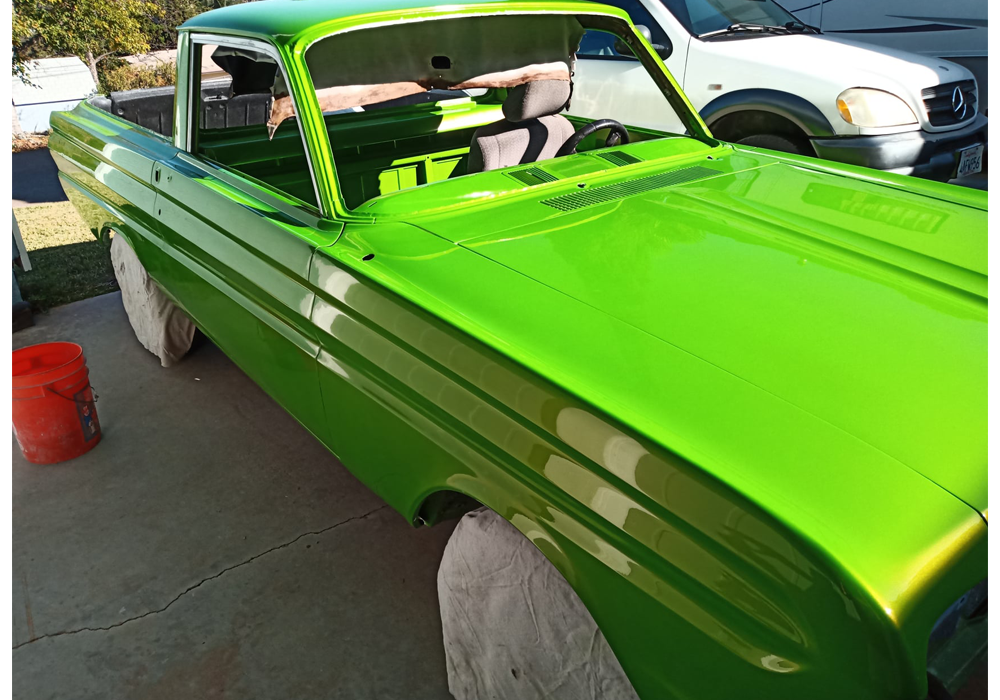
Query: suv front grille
[[945, 106]]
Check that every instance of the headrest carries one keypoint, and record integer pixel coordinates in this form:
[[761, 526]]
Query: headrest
[[539, 98]]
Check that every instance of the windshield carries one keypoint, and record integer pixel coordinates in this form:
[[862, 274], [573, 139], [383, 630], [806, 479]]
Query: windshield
[[703, 16], [530, 105]]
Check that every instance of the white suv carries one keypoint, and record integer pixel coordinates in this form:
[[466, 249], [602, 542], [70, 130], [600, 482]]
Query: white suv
[[760, 77]]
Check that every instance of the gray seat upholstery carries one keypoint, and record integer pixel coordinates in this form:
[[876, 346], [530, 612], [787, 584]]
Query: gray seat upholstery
[[532, 129]]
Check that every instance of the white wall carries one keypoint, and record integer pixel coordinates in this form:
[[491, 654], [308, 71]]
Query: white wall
[[61, 84]]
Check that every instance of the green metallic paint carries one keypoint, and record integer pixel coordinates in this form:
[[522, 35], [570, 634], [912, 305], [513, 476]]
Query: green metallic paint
[[836, 292], [743, 415], [624, 484]]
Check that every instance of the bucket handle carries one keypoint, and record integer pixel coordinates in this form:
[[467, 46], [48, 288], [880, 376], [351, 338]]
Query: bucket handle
[[48, 388], [69, 398]]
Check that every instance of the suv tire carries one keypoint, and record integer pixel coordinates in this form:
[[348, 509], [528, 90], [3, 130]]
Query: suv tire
[[776, 142]]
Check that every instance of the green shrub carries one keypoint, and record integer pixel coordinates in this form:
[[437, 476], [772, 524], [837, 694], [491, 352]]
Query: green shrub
[[125, 76]]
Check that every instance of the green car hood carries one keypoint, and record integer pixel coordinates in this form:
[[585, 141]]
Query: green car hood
[[861, 304]]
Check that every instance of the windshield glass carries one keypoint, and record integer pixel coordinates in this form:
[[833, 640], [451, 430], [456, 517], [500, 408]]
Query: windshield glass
[[459, 96], [703, 16]]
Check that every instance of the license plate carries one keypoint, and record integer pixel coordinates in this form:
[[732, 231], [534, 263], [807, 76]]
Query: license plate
[[970, 160]]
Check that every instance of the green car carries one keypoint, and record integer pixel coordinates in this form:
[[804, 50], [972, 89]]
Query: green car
[[737, 398]]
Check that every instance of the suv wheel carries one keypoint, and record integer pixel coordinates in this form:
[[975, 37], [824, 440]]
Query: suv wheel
[[775, 142]]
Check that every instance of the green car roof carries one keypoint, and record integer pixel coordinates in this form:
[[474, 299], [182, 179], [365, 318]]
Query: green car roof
[[283, 20]]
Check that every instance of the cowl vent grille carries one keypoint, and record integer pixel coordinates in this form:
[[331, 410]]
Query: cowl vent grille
[[531, 176], [620, 190], [619, 158]]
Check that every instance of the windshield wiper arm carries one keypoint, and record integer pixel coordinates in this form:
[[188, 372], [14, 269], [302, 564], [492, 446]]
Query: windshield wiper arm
[[802, 27], [746, 27]]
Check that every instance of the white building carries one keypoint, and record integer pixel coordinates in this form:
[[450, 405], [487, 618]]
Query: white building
[[61, 84]]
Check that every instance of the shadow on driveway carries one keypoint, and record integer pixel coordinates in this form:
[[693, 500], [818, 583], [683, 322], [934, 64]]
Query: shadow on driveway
[[35, 179], [209, 547]]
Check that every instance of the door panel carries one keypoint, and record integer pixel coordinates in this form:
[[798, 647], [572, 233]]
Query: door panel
[[237, 260], [608, 85], [106, 172], [621, 89]]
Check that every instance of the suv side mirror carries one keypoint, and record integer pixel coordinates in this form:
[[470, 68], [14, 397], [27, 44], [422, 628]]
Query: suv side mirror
[[663, 51]]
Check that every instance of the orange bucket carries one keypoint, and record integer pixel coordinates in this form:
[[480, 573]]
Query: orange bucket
[[54, 415]]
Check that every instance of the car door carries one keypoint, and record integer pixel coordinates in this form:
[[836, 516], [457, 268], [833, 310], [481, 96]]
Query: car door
[[609, 85], [237, 247]]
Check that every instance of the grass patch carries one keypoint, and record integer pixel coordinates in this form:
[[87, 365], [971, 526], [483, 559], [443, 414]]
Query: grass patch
[[67, 263]]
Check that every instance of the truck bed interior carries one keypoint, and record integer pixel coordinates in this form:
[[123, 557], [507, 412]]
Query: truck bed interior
[[382, 148]]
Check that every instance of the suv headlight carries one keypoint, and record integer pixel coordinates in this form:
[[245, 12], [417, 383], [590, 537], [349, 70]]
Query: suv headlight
[[874, 108]]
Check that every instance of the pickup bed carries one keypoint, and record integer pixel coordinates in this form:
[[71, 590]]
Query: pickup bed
[[737, 397], [153, 108]]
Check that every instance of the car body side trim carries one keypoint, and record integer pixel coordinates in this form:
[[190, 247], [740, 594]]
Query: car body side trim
[[253, 45]]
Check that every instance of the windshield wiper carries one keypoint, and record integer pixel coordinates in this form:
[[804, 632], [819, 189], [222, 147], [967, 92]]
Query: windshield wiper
[[801, 27], [747, 27]]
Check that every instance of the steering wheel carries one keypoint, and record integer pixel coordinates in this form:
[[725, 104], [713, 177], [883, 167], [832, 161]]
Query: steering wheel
[[618, 135]]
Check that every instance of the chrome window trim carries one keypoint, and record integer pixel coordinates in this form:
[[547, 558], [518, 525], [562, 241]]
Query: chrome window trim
[[194, 79]]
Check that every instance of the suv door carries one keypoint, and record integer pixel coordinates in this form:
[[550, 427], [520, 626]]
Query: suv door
[[610, 85]]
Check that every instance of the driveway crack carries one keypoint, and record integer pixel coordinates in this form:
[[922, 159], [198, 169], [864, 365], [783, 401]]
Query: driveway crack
[[195, 586]]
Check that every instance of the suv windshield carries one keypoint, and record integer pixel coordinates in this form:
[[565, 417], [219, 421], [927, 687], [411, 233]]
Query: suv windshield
[[704, 16]]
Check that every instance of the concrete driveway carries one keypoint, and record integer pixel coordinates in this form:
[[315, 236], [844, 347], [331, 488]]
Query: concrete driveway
[[209, 547]]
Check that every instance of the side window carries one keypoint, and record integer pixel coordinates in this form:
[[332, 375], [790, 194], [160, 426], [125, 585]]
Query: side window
[[597, 44], [236, 88]]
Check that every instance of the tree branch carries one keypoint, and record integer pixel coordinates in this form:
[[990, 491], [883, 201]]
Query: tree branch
[[28, 43]]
